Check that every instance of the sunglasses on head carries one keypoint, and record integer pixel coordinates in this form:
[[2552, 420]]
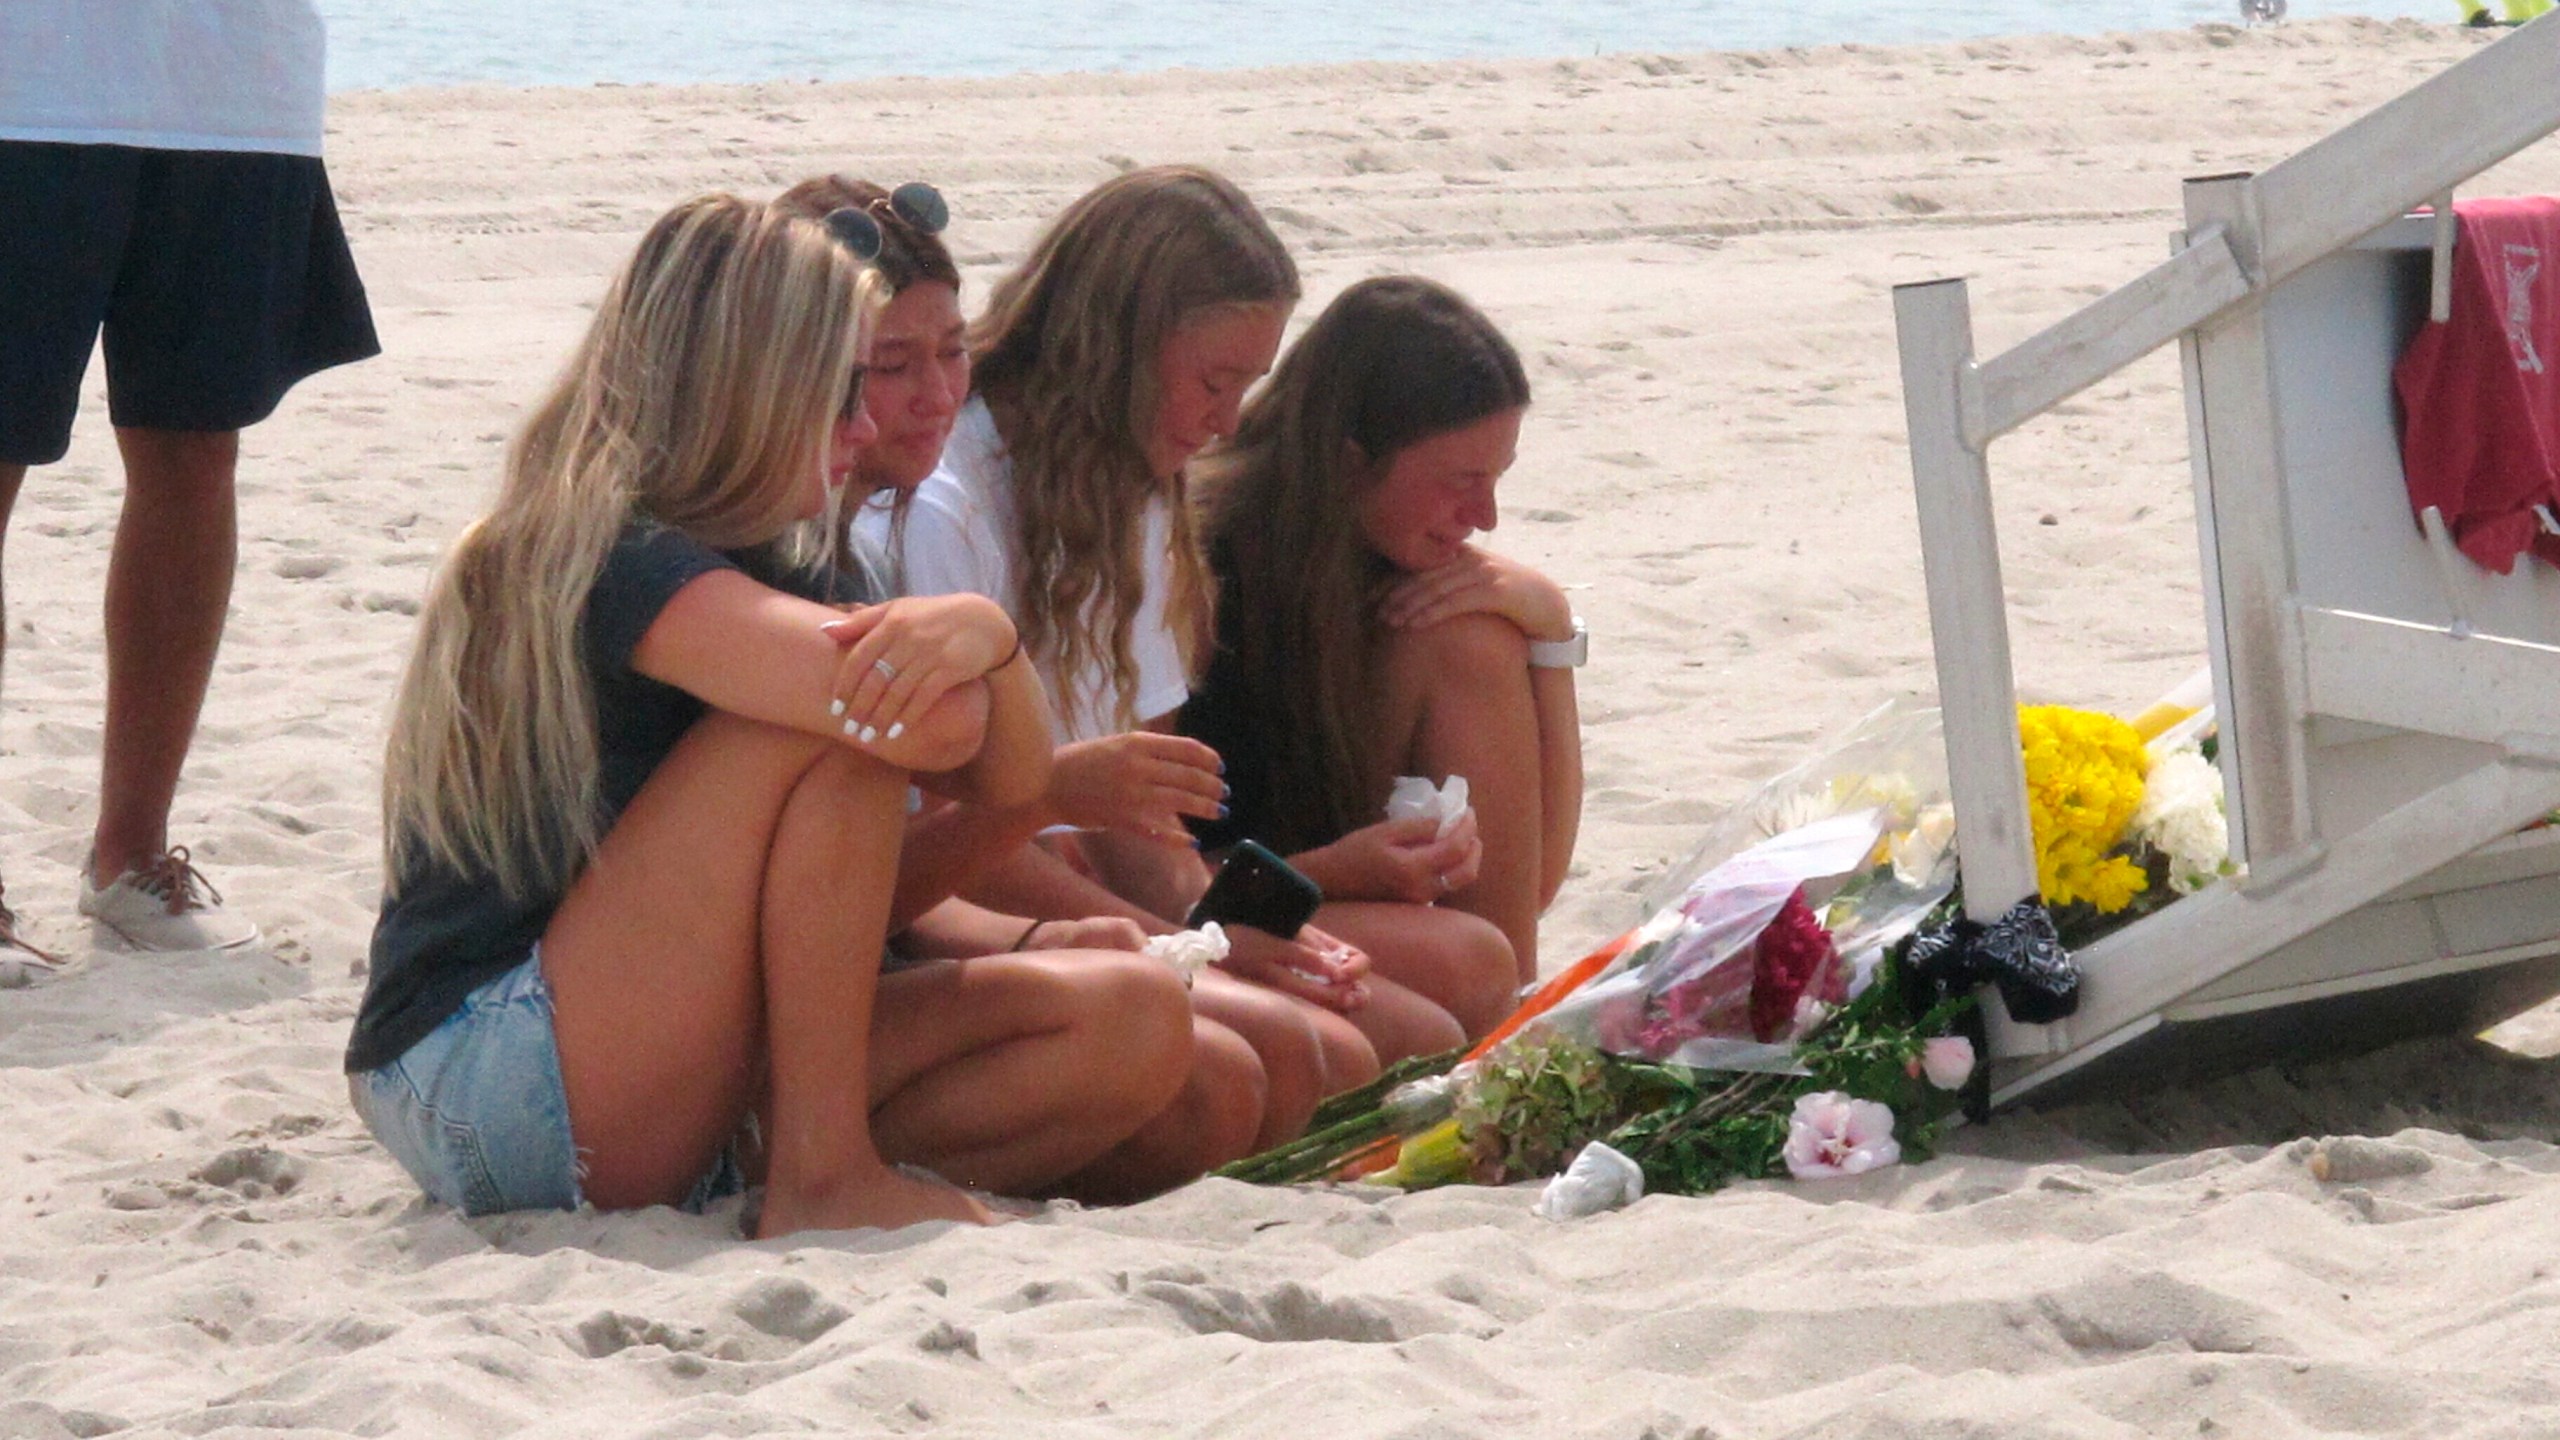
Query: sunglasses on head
[[917, 205]]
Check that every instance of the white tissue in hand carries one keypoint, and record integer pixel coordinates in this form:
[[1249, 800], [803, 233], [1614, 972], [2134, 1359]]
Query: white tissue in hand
[[1414, 796], [1598, 1179], [1189, 951]]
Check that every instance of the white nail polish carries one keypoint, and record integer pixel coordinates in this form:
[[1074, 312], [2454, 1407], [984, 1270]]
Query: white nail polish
[[868, 735], [835, 707], [853, 727], [897, 728]]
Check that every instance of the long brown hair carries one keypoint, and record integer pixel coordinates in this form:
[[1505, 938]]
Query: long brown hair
[[1065, 357], [700, 399], [1390, 362]]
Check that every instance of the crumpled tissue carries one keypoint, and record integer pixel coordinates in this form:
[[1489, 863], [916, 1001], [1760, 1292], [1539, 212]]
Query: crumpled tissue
[[1189, 951], [1415, 796], [1598, 1179]]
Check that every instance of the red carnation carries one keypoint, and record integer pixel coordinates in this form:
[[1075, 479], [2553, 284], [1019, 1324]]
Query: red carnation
[[1792, 958]]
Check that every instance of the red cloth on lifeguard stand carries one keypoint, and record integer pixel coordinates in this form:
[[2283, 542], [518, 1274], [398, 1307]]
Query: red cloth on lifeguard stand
[[2480, 392]]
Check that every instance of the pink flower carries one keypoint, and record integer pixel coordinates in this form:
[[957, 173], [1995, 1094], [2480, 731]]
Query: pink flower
[[1947, 1061], [1831, 1134]]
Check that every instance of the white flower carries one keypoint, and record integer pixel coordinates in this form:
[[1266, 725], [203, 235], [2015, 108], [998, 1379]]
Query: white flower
[[1841, 795], [1916, 851], [1831, 1134], [1948, 1061], [2181, 817], [1891, 792], [1794, 811], [1190, 951]]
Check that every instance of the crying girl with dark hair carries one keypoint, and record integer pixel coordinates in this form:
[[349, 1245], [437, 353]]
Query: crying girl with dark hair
[[1362, 636]]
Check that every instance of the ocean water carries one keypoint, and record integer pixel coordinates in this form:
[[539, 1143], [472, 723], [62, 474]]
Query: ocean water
[[383, 44]]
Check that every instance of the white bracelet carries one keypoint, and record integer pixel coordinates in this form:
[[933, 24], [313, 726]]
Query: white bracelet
[[1565, 654]]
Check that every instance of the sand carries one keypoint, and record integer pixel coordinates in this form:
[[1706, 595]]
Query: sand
[[1694, 253]]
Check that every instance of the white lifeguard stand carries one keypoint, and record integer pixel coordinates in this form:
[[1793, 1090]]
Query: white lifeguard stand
[[2390, 714]]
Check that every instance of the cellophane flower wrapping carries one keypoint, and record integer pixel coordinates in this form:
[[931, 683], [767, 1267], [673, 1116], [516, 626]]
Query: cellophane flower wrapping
[[1715, 981], [1892, 761]]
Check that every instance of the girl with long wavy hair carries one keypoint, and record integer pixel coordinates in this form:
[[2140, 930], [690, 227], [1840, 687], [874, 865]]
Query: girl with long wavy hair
[[916, 381], [1122, 344], [1363, 636], [645, 788]]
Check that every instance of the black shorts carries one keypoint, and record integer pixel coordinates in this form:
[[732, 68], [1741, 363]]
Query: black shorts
[[220, 278]]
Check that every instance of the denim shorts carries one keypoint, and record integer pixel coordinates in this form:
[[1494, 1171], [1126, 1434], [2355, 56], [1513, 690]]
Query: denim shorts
[[478, 1115]]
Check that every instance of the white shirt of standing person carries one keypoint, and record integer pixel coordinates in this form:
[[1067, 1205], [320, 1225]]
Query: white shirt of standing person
[[958, 536], [246, 75]]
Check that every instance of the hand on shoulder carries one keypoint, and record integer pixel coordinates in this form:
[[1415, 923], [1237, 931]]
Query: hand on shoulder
[[1480, 581]]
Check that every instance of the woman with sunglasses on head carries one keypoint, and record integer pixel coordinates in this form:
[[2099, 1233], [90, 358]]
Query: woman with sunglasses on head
[[917, 379], [1361, 636], [643, 807], [1122, 344]]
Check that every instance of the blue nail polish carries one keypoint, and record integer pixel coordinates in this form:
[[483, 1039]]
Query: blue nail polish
[[1222, 812], [1226, 792]]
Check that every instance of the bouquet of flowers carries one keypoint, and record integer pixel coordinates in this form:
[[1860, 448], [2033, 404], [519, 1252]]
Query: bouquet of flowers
[[2123, 825], [1782, 1009]]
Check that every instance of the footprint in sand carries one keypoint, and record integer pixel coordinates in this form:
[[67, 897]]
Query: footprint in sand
[[307, 567]]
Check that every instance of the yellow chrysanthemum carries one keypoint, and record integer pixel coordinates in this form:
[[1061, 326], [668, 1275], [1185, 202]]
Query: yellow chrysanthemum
[[2084, 783]]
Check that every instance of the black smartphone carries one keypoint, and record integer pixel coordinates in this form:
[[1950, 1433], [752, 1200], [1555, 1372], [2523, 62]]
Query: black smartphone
[[1258, 888]]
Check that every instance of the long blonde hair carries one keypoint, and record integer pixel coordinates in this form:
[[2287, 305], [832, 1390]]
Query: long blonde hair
[[701, 400], [1065, 357]]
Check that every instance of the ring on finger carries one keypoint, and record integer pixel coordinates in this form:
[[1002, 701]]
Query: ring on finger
[[887, 670]]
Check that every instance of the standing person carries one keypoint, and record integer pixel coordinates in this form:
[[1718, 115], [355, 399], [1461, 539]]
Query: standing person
[[1362, 637], [916, 379], [1122, 344], [161, 163], [644, 794]]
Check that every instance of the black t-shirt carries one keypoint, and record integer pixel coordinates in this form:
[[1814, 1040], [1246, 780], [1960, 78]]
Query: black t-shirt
[[445, 932], [1223, 715]]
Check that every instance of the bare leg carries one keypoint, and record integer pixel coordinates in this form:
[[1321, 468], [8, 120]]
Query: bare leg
[[168, 585], [1010, 1072], [11, 476], [1216, 1117], [723, 947], [1458, 703], [1458, 962], [1307, 1052]]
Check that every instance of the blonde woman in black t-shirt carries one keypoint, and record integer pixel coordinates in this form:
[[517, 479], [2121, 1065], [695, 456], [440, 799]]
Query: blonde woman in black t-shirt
[[644, 794]]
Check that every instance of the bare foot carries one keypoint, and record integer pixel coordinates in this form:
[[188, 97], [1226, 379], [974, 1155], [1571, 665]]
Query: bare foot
[[886, 1201]]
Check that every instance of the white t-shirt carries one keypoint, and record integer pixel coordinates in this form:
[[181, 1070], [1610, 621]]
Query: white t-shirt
[[164, 74], [958, 536]]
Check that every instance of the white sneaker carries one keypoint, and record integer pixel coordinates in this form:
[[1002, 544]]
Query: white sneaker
[[166, 906]]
